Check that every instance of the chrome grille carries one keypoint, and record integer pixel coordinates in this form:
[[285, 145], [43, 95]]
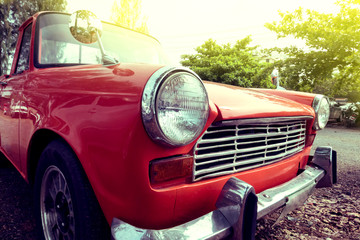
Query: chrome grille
[[233, 146]]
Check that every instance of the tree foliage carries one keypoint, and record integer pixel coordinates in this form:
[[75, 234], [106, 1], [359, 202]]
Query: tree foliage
[[331, 64], [235, 65], [12, 14], [127, 13]]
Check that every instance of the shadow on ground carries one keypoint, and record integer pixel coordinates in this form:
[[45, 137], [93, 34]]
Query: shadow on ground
[[17, 219]]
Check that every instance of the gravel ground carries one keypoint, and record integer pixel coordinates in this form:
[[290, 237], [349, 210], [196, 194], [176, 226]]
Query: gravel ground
[[16, 206], [329, 214]]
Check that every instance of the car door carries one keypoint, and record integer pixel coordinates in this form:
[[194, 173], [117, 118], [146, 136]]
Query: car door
[[11, 103]]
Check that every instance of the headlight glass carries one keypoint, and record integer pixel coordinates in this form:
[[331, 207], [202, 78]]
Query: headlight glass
[[322, 111], [182, 108], [177, 108]]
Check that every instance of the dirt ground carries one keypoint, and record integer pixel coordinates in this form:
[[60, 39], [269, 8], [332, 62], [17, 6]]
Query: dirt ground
[[332, 213]]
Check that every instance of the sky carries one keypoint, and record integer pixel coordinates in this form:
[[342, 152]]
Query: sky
[[182, 25]]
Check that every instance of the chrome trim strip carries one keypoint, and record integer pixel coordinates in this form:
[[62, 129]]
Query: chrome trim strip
[[261, 120], [292, 193], [210, 226]]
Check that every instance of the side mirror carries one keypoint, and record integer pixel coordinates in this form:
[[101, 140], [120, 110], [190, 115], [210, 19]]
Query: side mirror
[[85, 26]]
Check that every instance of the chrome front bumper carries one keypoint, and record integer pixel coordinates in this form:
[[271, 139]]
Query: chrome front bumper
[[238, 207]]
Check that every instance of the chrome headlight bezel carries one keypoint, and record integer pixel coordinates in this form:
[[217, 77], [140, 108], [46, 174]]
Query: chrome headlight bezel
[[321, 107], [149, 111]]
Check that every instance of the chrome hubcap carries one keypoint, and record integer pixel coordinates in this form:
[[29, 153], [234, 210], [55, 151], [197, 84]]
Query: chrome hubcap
[[56, 208]]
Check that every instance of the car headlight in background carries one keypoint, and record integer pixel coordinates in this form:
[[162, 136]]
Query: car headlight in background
[[175, 106], [322, 111]]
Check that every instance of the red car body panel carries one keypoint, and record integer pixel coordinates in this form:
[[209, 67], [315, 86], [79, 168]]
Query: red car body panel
[[300, 97], [97, 111], [235, 102]]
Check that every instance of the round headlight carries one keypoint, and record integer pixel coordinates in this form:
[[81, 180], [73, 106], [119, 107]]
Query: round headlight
[[322, 111], [175, 106]]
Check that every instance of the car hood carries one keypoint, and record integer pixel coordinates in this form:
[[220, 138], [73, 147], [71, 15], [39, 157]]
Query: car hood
[[235, 102], [128, 81]]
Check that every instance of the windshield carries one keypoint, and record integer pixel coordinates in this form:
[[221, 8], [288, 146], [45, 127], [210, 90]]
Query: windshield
[[55, 46]]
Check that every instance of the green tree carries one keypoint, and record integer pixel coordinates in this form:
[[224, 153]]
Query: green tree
[[235, 65], [331, 62], [12, 14], [127, 13]]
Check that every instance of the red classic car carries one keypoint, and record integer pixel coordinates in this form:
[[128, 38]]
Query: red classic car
[[120, 145]]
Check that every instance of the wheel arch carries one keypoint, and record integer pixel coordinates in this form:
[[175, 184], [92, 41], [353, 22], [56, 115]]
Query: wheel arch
[[40, 139]]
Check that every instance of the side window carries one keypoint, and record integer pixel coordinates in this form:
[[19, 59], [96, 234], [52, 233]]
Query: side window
[[23, 61]]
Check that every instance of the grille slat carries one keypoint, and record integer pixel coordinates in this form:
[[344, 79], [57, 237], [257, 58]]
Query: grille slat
[[218, 161], [218, 146], [263, 159], [245, 150], [224, 139], [230, 147], [219, 140]]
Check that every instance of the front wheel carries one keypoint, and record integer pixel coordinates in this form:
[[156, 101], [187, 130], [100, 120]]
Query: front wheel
[[65, 204]]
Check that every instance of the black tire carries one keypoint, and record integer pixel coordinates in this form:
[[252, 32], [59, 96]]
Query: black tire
[[65, 204]]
